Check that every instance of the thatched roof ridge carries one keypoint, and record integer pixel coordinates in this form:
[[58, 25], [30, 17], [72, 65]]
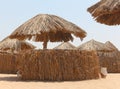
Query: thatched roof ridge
[[93, 45], [65, 45], [14, 44], [110, 45], [106, 11]]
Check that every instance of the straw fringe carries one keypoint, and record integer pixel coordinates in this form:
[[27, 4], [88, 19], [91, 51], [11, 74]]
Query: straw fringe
[[106, 11]]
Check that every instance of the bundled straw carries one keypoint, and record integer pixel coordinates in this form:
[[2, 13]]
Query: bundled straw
[[45, 28], [8, 63], [58, 65], [106, 11], [110, 60]]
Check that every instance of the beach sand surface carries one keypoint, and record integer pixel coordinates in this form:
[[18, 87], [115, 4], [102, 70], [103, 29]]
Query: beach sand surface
[[8, 81]]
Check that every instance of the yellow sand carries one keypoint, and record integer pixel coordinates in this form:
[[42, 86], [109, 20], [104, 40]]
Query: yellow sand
[[11, 82]]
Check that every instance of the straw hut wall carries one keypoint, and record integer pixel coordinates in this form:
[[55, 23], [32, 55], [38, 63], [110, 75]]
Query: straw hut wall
[[106, 11], [58, 65], [8, 63], [65, 45], [110, 60], [14, 45], [108, 54], [45, 28], [8, 58]]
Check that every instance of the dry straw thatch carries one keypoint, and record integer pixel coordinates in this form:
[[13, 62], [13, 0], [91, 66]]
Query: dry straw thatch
[[107, 53], [58, 65], [8, 63], [44, 28], [106, 11], [93, 45], [12, 45], [65, 45], [111, 46], [110, 60], [109, 19]]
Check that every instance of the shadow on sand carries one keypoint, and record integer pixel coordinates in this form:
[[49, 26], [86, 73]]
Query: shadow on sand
[[9, 78], [14, 78]]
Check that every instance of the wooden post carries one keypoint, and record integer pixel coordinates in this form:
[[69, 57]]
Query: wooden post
[[45, 45], [45, 41]]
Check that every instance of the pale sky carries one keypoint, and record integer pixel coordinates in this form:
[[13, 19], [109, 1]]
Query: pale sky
[[13, 13]]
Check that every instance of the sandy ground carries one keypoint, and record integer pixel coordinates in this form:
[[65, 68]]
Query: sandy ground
[[8, 81]]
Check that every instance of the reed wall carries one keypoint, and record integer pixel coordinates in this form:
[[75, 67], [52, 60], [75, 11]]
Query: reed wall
[[111, 60], [8, 63], [58, 65]]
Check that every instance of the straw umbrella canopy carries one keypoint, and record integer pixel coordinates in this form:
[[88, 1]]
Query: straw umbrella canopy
[[44, 28], [14, 45], [65, 45], [93, 45], [106, 11], [109, 19], [111, 46]]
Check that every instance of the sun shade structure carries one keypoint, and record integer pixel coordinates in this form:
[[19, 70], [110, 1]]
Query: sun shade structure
[[14, 45], [93, 45], [109, 19], [45, 28], [106, 11], [111, 46], [65, 45]]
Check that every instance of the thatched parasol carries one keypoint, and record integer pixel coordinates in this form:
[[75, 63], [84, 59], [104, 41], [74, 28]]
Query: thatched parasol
[[106, 11], [93, 45], [65, 45], [111, 46], [14, 45], [109, 19], [44, 28]]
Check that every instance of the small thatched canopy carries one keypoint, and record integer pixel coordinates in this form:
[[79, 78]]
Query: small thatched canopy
[[111, 46], [93, 45], [14, 45], [65, 45], [44, 28], [106, 11]]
